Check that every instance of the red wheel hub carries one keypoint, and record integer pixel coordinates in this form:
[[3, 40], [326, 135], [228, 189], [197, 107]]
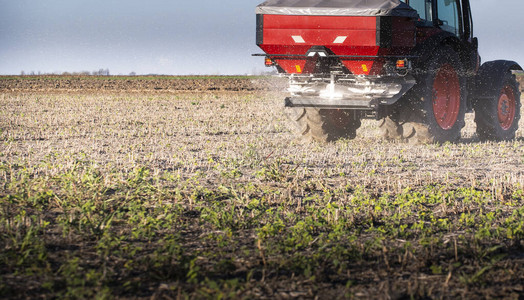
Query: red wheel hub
[[446, 97], [507, 107]]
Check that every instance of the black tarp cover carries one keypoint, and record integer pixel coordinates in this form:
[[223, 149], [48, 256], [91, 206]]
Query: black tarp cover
[[337, 8]]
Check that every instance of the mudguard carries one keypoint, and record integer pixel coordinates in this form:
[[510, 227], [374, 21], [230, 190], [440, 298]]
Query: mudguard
[[425, 50], [489, 80]]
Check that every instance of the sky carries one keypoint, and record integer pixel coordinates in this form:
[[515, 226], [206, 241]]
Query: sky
[[178, 37]]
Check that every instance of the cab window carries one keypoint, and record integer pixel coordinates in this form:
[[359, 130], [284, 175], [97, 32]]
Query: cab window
[[423, 7], [448, 15]]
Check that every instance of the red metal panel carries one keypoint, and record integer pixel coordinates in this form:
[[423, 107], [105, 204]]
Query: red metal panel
[[319, 22], [324, 37], [319, 30], [351, 36]]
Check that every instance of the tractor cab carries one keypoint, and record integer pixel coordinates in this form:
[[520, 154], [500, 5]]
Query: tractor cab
[[449, 15]]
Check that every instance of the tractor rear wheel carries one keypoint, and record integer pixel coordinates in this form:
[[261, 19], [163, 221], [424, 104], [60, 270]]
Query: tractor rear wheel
[[325, 125], [390, 129], [497, 118], [437, 108]]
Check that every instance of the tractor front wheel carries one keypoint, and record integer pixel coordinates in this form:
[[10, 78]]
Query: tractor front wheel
[[497, 118]]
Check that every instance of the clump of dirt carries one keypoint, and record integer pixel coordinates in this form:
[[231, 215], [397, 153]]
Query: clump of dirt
[[520, 79]]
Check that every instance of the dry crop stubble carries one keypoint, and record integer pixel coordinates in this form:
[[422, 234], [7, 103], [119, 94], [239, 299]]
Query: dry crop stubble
[[128, 130], [210, 194]]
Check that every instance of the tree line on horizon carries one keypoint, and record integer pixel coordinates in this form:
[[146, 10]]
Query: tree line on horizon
[[100, 72]]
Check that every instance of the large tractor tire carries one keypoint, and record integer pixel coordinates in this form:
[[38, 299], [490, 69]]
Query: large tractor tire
[[390, 129], [325, 125], [433, 112], [497, 117]]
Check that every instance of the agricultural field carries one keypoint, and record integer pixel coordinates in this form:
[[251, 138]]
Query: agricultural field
[[196, 188]]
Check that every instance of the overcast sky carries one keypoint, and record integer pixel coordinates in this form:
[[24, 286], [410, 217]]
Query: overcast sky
[[177, 36]]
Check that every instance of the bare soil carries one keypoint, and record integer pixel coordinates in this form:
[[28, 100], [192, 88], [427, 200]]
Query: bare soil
[[139, 83]]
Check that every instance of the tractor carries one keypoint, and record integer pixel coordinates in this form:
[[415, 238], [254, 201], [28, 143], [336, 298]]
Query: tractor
[[413, 65]]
